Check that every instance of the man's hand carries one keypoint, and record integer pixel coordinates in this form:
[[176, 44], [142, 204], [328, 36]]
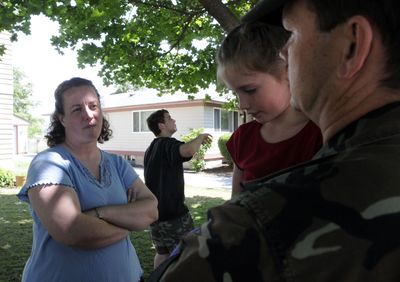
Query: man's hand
[[190, 148], [206, 138]]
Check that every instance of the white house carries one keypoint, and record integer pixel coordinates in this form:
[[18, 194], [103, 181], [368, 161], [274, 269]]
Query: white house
[[6, 102], [127, 114]]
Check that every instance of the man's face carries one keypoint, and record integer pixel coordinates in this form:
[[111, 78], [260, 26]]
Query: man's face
[[169, 123], [310, 55]]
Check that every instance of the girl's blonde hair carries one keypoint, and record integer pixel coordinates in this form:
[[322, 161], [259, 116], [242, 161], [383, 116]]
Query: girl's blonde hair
[[254, 47]]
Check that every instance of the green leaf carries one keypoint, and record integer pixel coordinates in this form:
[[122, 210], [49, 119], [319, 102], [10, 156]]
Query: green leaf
[[127, 38]]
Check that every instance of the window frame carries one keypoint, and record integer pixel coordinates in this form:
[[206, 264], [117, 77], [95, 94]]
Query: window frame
[[140, 122], [232, 123]]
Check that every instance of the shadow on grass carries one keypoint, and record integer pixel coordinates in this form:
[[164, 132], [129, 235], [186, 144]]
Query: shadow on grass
[[199, 205], [16, 234], [15, 237]]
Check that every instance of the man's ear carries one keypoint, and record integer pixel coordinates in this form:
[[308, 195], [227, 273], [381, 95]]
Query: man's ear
[[161, 126], [359, 34]]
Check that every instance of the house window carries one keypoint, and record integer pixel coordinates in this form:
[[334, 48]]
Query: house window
[[140, 121], [235, 120], [225, 120], [217, 119]]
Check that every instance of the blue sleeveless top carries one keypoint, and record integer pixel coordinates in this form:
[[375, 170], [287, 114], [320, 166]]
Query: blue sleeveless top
[[53, 261]]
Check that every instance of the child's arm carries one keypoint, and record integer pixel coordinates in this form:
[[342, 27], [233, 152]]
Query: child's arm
[[236, 179]]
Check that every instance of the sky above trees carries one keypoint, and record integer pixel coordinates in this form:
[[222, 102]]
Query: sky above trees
[[45, 68]]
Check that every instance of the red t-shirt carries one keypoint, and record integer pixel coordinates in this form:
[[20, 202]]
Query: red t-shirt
[[257, 158]]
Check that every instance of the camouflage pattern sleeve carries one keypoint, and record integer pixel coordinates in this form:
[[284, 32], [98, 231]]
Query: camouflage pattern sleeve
[[229, 247]]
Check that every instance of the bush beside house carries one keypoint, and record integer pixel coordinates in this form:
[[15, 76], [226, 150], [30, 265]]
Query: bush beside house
[[6, 178], [222, 147]]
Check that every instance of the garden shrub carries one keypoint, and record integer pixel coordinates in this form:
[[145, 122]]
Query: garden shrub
[[6, 178], [222, 147], [197, 162]]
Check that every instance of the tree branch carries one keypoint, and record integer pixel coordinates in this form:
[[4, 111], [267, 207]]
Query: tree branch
[[221, 13], [157, 6]]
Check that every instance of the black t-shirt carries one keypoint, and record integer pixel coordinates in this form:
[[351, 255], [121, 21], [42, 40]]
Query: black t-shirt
[[163, 174]]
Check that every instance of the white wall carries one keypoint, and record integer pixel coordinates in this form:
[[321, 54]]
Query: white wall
[[124, 139], [186, 118], [6, 103]]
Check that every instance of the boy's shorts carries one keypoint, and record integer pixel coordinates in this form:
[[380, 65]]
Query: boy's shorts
[[166, 234]]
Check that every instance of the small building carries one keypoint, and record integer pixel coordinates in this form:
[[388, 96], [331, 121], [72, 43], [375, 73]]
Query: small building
[[20, 135], [127, 114]]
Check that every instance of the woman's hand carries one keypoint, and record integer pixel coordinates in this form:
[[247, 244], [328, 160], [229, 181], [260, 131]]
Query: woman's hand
[[140, 211], [132, 195], [59, 210]]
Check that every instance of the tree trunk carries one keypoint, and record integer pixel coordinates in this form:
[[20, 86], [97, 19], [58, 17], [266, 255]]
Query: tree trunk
[[221, 13]]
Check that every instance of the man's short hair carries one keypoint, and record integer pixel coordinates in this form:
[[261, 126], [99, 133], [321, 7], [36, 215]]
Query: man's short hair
[[154, 119], [383, 14]]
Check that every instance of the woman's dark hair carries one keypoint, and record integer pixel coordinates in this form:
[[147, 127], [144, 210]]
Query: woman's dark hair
[[383, 14], [154, 119], [254, 46], [56, 131]]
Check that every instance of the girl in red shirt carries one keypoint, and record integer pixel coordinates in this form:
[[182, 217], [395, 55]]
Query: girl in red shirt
[[279, 136]]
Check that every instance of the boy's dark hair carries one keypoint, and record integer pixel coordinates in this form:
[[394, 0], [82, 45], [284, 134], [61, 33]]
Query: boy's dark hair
[[383, 14], [56, 131], [254, 46], [154, 119]]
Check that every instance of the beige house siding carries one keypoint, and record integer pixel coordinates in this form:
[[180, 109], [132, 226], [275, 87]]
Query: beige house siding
[[189, 114], [127, 142], [6, 102], [124, 139]]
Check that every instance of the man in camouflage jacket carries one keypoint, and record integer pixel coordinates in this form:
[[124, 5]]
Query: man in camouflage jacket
[[336, 217]]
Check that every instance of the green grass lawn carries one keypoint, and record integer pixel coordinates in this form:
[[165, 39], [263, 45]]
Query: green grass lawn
[[16, 234]]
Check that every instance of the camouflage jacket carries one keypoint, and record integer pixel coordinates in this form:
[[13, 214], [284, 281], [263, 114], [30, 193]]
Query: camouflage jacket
[[335, 218]]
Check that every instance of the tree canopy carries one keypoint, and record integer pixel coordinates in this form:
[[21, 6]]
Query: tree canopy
[[169, 45], [23, 104]]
